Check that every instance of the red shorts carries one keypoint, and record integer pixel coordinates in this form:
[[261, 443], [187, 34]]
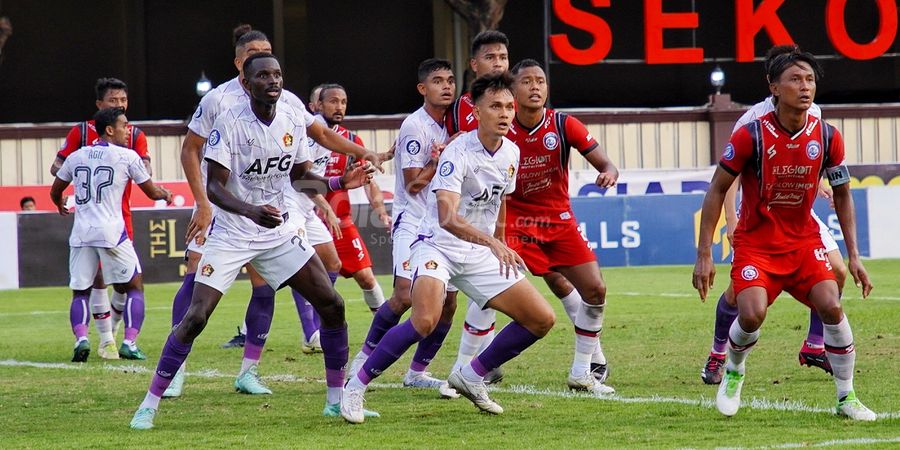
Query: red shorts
[[795, 272], [352, 251], [549, 246]]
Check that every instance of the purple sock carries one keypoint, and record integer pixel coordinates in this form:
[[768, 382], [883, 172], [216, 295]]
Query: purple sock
[[336, 351], [510, 341], [394, 344], [307, 315], [133, 314], [259, 316], [429, 347], [385, 319], [173, 355], [815, 336], [79, 316], [725, 314], [182, 300]]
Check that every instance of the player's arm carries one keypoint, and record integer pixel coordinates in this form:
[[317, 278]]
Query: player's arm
[[500, 229], [731, 217], [191, 155], [704, 269], [326, 137], [217, 177], [56, 195], [137, 171], [73, 140], [590, 149], [140, 146], [305, 181], [156, 192], [331, 219], [417, 178], [376, 200]]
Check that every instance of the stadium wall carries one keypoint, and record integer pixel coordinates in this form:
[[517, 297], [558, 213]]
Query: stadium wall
[[623, 230]]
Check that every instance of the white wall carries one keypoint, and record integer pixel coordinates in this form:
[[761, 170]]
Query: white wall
[[9, 251], [884, 221]]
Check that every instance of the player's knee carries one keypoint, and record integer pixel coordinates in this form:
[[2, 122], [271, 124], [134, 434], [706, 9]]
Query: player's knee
[[332, 311], [401, 300], [449, 309], [595, 295], [424, 323], [366, 280], [831, 313], [542, 323], [558, 284], [840, 274], [192, 325]]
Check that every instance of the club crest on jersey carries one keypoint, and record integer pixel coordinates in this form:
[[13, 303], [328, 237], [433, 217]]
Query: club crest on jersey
[[214, 137], [287, 139], [551, 141], [413, 147], [749, 273], [511, 171], [813, 149], [728, 154], [199, 112], [406, 265], [446, 168], [431, 265], [207, 270]]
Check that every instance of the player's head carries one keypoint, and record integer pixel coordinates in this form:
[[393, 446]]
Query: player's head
[[112, 125], [792, 78], [490, 53], [248, 41], [262, 77], [530, 84], [27, 203], [111, 93], [436, 82], [332, 103], [314, 98], [494, 102]]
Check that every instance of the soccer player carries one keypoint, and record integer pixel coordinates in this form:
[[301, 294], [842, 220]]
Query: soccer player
[[111, 93], [253, 153], [314, 99], [101, 172], [780, 157], [421, 139], [457, 244], [812, 352], [247, 42], [540, 224]]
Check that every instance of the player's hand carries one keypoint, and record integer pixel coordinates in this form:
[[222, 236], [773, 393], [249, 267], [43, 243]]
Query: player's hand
[[730, 226], [360, 175], [266, 216], [334, 224], [509, 259], [389, 155], [860, 276], [377, 159], [386, 221], [199, 223], [436, 150], [166, 195], [827, 193], [704, 275], [607, 179], [61, 207]]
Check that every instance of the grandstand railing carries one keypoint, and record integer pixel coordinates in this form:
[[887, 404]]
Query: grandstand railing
[[668, 138]]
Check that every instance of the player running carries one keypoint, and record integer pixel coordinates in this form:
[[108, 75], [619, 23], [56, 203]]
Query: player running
[[102, 171], [780, 158]]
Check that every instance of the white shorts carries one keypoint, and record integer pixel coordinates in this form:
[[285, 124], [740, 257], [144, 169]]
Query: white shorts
[[221, 263], [478, 275], [119, 264], [825, 233], [315, 231], [402, 239]]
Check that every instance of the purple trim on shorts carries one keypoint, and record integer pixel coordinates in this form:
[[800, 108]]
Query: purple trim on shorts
[[397, 223], [123, 237]]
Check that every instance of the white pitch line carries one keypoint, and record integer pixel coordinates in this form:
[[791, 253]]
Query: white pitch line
[[753, 403], [694, 295], [66, 311], [830, 443]]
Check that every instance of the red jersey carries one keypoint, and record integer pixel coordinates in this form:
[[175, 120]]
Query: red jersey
[[460, 116], [542, 183], [85, 133], [780, 175], [337, 165]]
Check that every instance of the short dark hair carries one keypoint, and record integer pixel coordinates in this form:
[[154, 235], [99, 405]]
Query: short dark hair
[[488, 37], [524, 64], [776, 51], [431, 65], [106, 117], [490, 83], [327, 86], [244, 33], [106, 84], [25, 200], [783, 61], [254, 57]]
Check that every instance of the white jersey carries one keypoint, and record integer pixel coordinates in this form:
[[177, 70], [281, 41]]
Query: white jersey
[[481, 179], [417, 133], [319, 156], [764, 107], [100, 174], [260, 158]]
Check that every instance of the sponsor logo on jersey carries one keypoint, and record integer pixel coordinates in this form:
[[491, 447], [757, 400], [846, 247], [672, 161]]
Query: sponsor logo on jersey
[[283, 163], [207, 270], [551, 141], [770, 128], [791, 170], [214, 137], [728, 154], [413, 147], [287, 139], [771, 151], [446, 168], [749, 273], [813, 149], [812, 126], [431, 265]]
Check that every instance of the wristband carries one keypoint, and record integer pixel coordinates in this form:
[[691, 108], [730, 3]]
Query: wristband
[[335, 184]]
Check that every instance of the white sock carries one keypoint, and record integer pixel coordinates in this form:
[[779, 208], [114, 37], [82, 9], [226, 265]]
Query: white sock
[[244, 328], [150, 401], [470, 344], [355, 383], [598, 357], [841, 355], [100, 310], [410, 373], [589, 320], [570, 303], [374, 297], [131, 345], [469, 374], [247, 363], [333, 395], [739, 344], [118, 305]]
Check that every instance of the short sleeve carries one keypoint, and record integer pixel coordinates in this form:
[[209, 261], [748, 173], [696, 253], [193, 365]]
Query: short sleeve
[[72, 142], [738, 151], [65, 171], [136, 169], [202, 121], [451, 170], [836, 153], [298, 106], [578, 136], [218, 144], [416, 150], [302, 154], [514, 169], [745, 118]]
